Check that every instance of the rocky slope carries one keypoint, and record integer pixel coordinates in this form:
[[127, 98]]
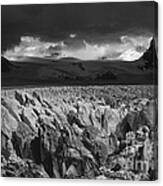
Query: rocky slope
[[6, 65], [70, 132], [150, 56], [150, 61]]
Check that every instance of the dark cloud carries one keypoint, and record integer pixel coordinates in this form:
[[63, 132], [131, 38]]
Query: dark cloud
[[53, 19]]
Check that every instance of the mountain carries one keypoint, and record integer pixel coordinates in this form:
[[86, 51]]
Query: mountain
[[70, 71], [6, 66], [150, 56]]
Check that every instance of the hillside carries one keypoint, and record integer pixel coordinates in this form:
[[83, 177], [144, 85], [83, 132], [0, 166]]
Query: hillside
[[41, 72], [6, 66]]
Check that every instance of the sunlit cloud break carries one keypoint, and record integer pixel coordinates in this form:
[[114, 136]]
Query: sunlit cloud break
[[127, 48]]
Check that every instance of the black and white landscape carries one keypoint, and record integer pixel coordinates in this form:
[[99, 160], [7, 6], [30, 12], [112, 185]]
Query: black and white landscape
[[79, 91]]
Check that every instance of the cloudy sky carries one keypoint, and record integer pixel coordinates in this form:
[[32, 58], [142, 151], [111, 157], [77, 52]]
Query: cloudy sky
[[108, 23], [61, 17]]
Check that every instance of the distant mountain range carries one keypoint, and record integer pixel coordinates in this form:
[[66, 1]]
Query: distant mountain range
[[71, 71]]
